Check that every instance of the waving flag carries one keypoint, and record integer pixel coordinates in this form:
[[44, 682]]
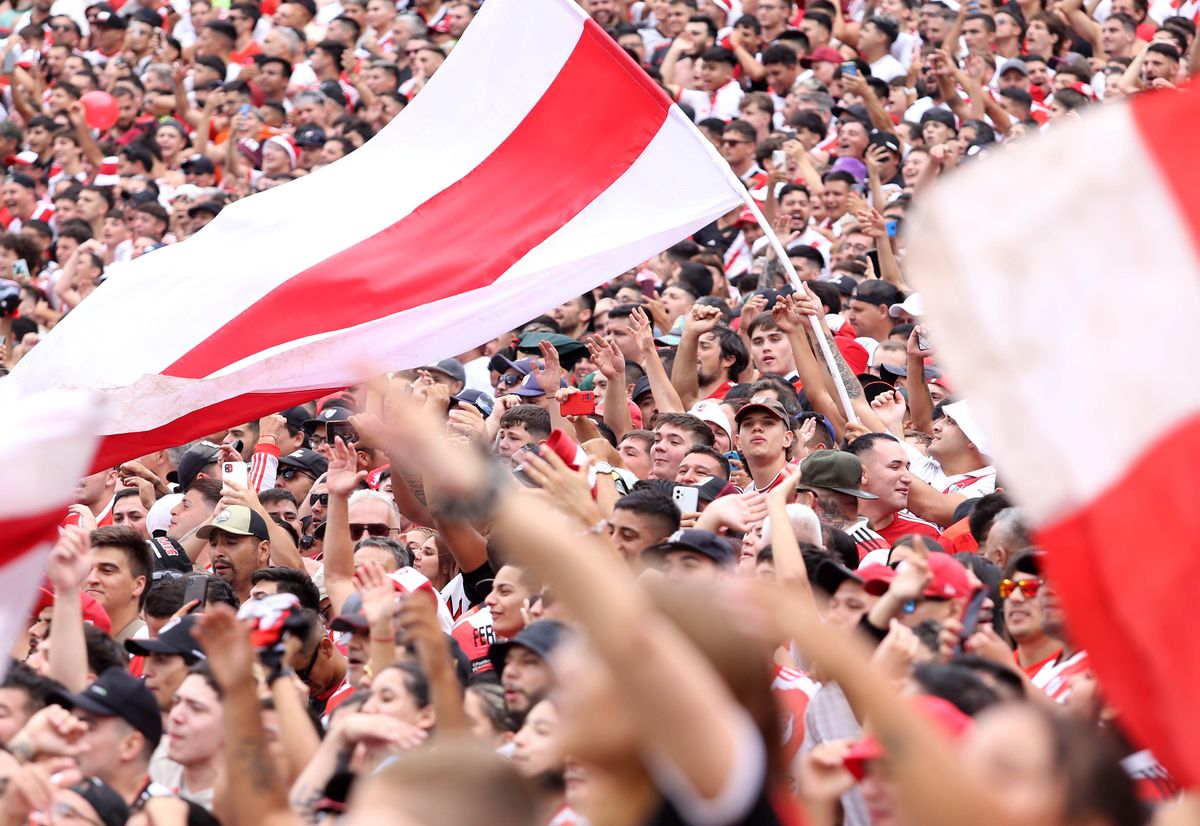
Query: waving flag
[[1068, 322], [46, 444], [493, 197]]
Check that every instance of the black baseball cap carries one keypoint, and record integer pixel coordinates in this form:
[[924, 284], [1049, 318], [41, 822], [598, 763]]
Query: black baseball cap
[[705, 543], [831, 574], [211, 207], [874, 291], [352, 617], [110, 807], [117, 693], [309, 135], [195, 460], [477, 399], [941, 116], [834, 470], [540, 637], [169, 555], [198, 164], [174, 638], [640, 388], [309, 461], [329, 414], [887, 139]]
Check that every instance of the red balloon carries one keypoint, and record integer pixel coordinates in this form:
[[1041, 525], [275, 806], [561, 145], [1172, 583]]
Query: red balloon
[[99, 109]]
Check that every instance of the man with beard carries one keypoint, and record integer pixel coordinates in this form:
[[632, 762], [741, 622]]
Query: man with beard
[[523, 665]]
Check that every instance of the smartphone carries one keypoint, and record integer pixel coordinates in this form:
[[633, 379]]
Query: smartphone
[[196, 588], [687, 498], [518, 461], [245, 109], [779, 159], [10, 62], [343, 429], [922, 339], [849, 68], [237, 472], [892, 226], [971, 616], [579, 404], [20, 268]]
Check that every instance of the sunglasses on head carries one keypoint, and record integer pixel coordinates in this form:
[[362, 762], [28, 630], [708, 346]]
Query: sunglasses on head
[[357, 529], [323, 498], [1029, 587]]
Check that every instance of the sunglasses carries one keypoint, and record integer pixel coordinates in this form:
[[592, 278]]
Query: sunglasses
[[509, 380], [727, 142], [314, 498], [357, 529], [1029, 587], [288, 474]]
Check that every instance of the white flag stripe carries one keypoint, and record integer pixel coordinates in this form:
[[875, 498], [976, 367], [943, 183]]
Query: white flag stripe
[[46, 445], [1042, 298], [436, 142]]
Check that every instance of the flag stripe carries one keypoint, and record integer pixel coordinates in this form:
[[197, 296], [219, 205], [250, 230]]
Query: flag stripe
[[1114, 597], [245, 408], [399, 268], [23, 533], [1161, 118]]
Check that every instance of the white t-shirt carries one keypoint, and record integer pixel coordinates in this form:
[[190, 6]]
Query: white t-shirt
[[723, 103], [887, 67]]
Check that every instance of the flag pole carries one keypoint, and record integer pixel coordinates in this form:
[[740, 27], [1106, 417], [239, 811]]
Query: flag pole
[[786, 263]]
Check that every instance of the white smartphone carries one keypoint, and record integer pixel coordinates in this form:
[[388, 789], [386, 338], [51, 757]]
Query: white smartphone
[[779, 159], [686, 498], [235, 472]]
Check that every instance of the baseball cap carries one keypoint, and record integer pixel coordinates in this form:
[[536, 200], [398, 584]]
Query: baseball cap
[[110, 807], [107, 19], [569, 350], [117, 693], [477, 399], [352, 617], [834, 470], [705, 543], [913, 306], [329, 414], [195, 460], [169, 555], [772, 406], [941, 116], [211, 207], [238, 520], [93, 611], [875, 291], [198, 164], [961, 413], [845, 285], [887, 139], [640, 388], [502, 364], [173, 638], [949, 580], [822, 55], [712, 413], [945, 716], [309, 461], [309, 135], [529, 387], [540, 637], [1014, 64], [830, 575], [449, 367]]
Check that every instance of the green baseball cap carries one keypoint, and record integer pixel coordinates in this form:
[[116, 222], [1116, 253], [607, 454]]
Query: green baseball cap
[[238, 520], [833, 470]]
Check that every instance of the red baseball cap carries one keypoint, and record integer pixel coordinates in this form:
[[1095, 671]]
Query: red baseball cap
[[949, 581], [944, 715]]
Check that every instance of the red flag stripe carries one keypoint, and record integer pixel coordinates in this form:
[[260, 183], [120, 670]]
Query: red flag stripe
[[1161, 118], [398, 269], [1113, 612], [215, 417], [24, 533]]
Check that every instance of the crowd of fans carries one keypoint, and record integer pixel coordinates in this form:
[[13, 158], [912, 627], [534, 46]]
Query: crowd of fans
[[634, 562]]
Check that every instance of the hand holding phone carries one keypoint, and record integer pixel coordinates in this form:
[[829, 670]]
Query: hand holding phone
[[196, 590], [236, 472], [686, 498], [850, 68], [343, 429]]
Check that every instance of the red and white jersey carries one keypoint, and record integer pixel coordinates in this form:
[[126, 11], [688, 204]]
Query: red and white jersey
[[1154, 784], [867, 541], [752, 488], [474, 634], [722, 103], [792, 690], [1054, 677], [264, 465], [975, 483], [455, 597]]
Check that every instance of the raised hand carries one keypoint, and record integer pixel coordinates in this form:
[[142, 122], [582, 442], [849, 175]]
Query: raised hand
[[378, 595], [891, 407], [607, 358], [70, 560], [550, 376], [226, 643], [702, 318], [343, 476], [643, 332]]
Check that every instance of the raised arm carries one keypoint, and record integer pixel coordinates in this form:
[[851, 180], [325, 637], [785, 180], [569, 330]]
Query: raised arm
[[665, 396], [611, 363], [701, 319], [69, 564], [341, 480]]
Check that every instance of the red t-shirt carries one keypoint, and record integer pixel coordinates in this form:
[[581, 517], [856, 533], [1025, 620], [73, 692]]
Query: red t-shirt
[[1032, 670], [719, 393]]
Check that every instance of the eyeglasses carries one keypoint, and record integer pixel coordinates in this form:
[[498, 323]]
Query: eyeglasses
[[315, 441], [357, 529], [314, 498], [1029, 587], [729, 142]]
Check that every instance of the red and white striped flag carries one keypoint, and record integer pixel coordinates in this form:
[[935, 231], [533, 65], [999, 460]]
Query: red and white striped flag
[[1062, 278], [47, 442], [538, 162]]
